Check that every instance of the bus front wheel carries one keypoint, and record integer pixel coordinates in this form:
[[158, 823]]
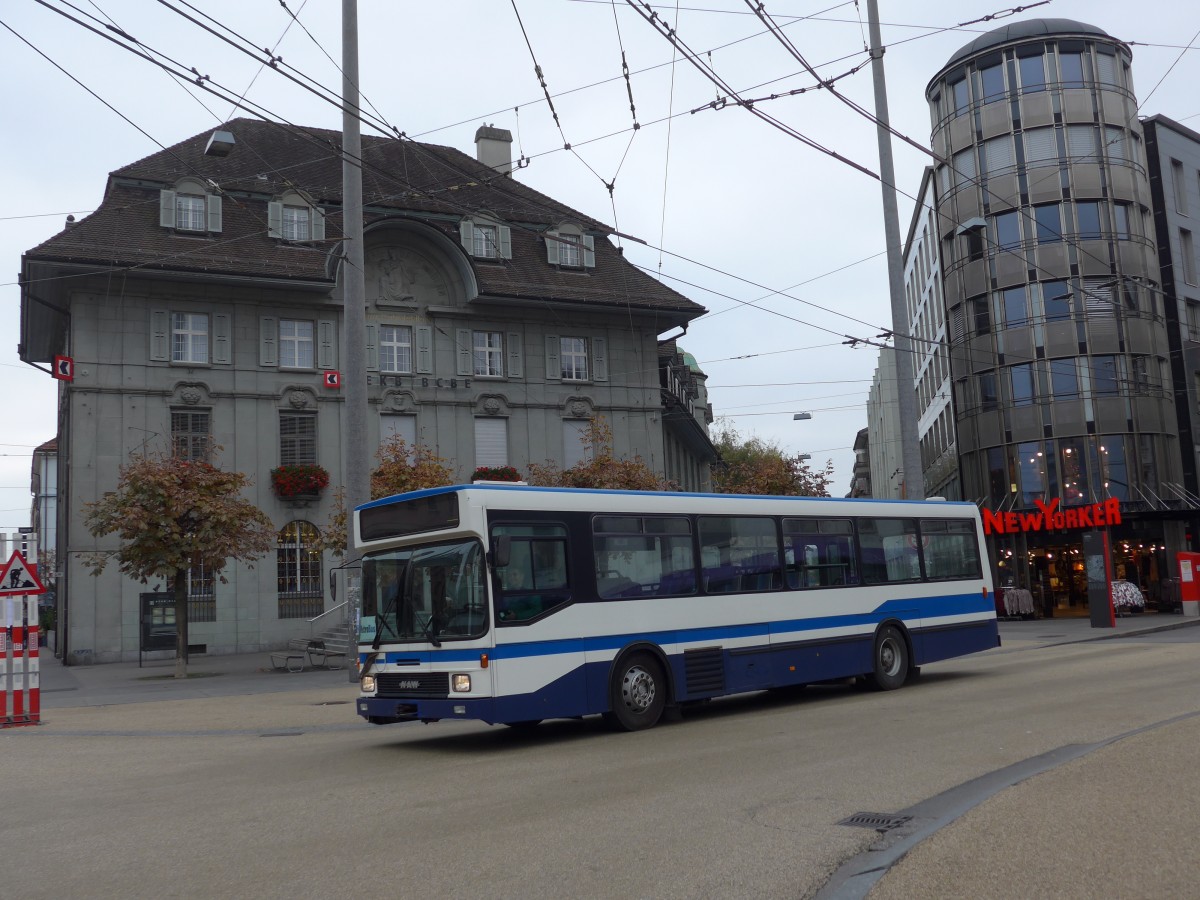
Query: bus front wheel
[[891, 659], [638, 693]]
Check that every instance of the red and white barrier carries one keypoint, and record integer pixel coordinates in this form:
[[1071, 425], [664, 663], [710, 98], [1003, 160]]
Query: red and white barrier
[[20, 685]]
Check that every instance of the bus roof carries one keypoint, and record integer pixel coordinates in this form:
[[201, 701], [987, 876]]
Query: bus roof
[[674, 495]]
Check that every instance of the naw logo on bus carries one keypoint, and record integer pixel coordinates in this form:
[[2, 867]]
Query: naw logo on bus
[[1049, 517]]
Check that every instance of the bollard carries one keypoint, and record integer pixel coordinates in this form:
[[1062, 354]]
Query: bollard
[[19, 672]]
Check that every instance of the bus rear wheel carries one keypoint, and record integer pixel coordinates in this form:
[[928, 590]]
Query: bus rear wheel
[[890, 659], [638, 693]]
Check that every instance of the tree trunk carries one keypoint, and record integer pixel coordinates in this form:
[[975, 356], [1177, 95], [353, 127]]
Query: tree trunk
[[181, 623]]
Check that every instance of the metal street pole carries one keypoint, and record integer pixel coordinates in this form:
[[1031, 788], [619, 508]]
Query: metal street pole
[[355, 449], [914, 479]]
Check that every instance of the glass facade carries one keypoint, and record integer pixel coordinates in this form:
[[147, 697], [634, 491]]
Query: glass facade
[[1061, 366]]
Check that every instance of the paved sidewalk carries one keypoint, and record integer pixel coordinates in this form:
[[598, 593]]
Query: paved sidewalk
[[105, 684], [1085, 821]]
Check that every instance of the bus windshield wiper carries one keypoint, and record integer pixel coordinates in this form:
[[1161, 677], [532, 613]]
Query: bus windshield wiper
[[431, 633]]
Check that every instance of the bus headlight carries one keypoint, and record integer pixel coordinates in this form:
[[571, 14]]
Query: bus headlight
[[461, 684], [368, 684]]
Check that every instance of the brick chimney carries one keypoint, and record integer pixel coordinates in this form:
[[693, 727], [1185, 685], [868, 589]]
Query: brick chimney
[[493, 148]]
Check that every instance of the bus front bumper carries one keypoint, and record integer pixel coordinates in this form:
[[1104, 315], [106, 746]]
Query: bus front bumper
[[388, 710]]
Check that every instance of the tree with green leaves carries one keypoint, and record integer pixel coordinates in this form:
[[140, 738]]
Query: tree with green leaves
[[600, 467], [752, 465], [172, 515]]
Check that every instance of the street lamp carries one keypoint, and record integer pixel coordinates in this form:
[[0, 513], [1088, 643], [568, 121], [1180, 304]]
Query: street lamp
[[798, 416]]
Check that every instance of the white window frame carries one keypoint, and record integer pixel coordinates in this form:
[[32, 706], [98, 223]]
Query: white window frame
[[395, 342], [573, 358], [297, 223], [292, 344], [191, 212], [190, 338], [569, 254], [485, 241], [487, 354]]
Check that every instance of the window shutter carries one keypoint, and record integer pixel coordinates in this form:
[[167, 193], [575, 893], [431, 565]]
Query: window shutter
[[552, 248], [964, 167], [275, 219], [553, 369], [222, 336], [1040, 144], [268, 341], [214, 212], [998, 154], [317, 228], [1115, 139], [515, 369], [599, 359], [160, 335], [326, 345], [491, 442], [1081, 141], [464, 349], [589, 252], [372, 348], [505, 235], [466, 232], [424, 335], [166, 209]]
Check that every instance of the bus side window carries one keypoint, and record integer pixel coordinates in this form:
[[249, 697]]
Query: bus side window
[[536, 580]]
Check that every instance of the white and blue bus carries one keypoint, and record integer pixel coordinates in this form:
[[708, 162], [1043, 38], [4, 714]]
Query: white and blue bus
[[513, 604]]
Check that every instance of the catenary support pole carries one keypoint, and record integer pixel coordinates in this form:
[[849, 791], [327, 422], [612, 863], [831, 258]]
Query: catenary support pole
[[355, 447], [914, 480]]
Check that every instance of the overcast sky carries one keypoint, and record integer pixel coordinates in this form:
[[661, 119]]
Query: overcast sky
[[738, 208]]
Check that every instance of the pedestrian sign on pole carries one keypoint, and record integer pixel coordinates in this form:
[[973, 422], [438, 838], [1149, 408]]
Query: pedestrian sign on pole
[[18, 578]]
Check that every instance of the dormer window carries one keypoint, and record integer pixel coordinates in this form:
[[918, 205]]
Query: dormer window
[[293, 217], [569, 247], [190, 206], [486, 238], [191, 212]]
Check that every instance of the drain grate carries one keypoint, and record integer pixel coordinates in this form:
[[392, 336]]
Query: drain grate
[[878, 821]]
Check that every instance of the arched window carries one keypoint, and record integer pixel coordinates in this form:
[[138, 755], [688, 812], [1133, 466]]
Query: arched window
[[190, 205], [293, 217], [298, 568]]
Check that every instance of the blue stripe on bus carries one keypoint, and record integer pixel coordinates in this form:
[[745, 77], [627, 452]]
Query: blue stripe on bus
[[904, 610]]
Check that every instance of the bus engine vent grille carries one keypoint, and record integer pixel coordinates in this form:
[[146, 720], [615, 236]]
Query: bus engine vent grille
[[704, 671], [879, 821], [415, 684]]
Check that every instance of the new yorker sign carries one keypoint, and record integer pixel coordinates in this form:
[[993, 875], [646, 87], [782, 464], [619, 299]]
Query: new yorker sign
[[1050, 518]]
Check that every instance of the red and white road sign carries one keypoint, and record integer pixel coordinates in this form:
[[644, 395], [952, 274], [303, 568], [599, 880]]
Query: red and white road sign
[[64, 368], [20, 677], [18, 578], [333, 378]]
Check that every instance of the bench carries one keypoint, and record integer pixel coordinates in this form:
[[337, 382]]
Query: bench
[[291, 660], [321, 657]]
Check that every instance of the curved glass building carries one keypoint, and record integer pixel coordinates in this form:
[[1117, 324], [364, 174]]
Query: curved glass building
[[1059, 349]]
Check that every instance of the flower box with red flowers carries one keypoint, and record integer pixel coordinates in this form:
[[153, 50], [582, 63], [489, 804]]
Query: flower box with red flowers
[[299, 481], [496, 473]]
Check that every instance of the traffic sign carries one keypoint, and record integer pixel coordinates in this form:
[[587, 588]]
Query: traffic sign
[[18, 578], [64, 368]]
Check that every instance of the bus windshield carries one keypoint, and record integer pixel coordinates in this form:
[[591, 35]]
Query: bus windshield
[[424, 594]]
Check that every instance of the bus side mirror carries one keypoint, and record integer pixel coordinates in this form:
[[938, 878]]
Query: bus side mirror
[[501, 551]]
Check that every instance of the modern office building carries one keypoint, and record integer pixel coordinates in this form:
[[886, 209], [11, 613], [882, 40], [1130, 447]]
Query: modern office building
[[883, 429], [927, 317], [1060, 343]]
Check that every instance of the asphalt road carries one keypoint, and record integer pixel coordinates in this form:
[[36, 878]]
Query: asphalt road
[[285, 793]]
